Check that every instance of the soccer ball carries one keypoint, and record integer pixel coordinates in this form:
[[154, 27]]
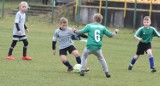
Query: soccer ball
[[77, 68]]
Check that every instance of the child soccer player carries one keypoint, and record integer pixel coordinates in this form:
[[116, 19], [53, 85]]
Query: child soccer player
[[94, 42], [144, 35], [63, 35], [19, 31]]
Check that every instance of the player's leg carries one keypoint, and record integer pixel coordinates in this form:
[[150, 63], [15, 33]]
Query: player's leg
[[25, 42], [74, 51], [102, 62], [63, 54], [151, 60], [66, 63], [140, 51], [84, 61], [77, 56], [25, 57], [13, 44], [133, 60]]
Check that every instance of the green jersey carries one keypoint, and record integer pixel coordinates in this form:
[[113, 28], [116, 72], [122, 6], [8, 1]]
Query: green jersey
[[146, 34], [95, 34]]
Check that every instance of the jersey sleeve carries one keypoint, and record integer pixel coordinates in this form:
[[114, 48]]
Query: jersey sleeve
[[138, 33], [17, 18], [156, 33], [107, 33], [25, 27], [55, 36], [70, 30], [85, 29]]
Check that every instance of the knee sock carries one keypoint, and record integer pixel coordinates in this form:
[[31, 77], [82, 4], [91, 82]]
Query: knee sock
[[13, 44], [67, 64], [78, 59], [151, 61], [10, 51], [133, 61], [24, 51]]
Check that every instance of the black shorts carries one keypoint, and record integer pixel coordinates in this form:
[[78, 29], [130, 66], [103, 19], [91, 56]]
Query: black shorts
[[19, 38], [69, 49], [143, 47]]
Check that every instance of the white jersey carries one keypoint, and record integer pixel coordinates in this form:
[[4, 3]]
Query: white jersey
[[20, 19], [63, 37]]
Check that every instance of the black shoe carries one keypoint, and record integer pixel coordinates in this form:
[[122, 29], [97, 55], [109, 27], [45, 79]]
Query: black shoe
[[69, 69], [130, 67], [153, 70], [82, 73], [107, 75]]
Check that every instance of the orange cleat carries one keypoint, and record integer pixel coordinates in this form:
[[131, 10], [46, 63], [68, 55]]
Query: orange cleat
[[26, 58], [87, 69], [10, 58]]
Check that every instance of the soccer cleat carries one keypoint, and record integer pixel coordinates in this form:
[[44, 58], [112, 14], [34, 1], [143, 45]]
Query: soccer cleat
[[153, 70], [10, 58], [26, 58], [107, 75], [82, 73], [130, 67], [69, 69], [87, 69]]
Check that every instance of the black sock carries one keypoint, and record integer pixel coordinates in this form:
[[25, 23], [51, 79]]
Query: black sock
[[67, 64], [10, 51], [24, 51], [78, 59], [13, 44]]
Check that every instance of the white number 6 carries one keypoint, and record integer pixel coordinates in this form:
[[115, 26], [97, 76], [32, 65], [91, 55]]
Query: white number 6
[[97, 35]]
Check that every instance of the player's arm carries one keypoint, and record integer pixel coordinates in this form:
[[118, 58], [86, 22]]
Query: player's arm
[[156, 33], [17, 20], [77, 31], [17, 26], [54, 47], [84, 30], [54, 43], [83, 35], [110, 34], [138, 38], [137, 35], [25, 27], [18, 29], [115, 32], [80, 33]]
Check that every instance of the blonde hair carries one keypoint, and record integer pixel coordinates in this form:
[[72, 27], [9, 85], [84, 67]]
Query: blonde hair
[[23, 3], [63, 20], [97, 17], [146, 18]]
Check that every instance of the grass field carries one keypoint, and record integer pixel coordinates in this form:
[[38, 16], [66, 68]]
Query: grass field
[[47, 70]]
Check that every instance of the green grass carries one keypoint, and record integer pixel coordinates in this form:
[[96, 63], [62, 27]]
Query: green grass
[[47, 70]]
